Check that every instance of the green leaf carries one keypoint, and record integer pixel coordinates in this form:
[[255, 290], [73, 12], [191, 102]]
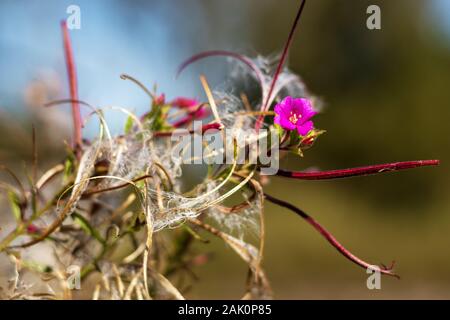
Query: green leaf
[[112, 234], [128, 125], [14, 203], [36, 266], [68, 168], [279, 129]]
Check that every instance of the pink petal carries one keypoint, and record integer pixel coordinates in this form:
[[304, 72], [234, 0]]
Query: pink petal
[[305, 128], [286, 124], [183, 102], [308, 111], [285, 106], [160, 100], [289, 101], [277, 120], [201, 113], [303, 107], [279, 107]]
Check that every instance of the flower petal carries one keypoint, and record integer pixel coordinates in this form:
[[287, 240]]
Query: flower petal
[[292, 113], [183, 102], [277, 120], [307, 109], [286, 124], [304, 128], [201, 113], [278, 108], [283, 107], [288, 101]]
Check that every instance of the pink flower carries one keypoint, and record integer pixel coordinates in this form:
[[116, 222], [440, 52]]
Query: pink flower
[[32, 229], [292, 113], [182, 102], [200, 113], [196, 114], [160, 100], [193, 108]]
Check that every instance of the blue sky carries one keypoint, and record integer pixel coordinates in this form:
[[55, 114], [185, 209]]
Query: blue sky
[[114, 39], [441, 10]]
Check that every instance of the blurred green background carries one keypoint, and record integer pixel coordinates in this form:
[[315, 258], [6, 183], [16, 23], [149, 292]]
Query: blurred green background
[[386, 95]]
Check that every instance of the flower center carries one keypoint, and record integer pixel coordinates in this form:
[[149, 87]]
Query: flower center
[[294, 117]]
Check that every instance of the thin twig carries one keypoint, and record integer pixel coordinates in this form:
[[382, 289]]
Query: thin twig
[[328, 236], [265, 106], [73, 85]]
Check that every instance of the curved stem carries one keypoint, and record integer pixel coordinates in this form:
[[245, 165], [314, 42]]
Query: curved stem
[[224, 53], [213, 125], [329, 237]]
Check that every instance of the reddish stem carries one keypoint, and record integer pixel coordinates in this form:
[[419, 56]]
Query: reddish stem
[[224, 53], [329, 237], [205, 127], [359, 171], [281, 63], [73, 86]]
